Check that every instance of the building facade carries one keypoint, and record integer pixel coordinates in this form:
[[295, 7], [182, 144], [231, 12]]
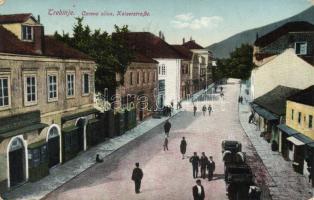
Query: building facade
[[46, 99]]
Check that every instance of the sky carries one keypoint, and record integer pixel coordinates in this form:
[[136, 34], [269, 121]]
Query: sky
[[206, 21]]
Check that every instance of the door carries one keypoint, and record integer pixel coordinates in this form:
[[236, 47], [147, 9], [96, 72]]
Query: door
[[16, 163], [81, 126], [54, 151]]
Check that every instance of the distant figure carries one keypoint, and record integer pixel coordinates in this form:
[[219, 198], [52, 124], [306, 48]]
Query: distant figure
[[171, 104], [204, 110], [166, 144], [210, 109], [167, 127], [195, 162], [198, 191], [221, 88], [251, 117], [183, 147], [221, 94], [215, 88], [211, 168], [203, 163], [137, 176], [194, 110], [98, 159]]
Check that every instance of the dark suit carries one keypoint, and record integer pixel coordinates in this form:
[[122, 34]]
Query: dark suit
[[211, 168], [197, 196], [195, 162], [137, 176], [203, 163]]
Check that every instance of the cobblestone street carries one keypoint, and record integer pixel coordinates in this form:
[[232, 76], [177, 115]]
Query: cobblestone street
[[166, 175]]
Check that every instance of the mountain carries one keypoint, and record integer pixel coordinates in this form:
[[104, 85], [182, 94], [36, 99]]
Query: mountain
[[223, 48]]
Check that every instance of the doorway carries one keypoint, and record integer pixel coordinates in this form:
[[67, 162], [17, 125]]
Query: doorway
[[53, 146], [16, 162]]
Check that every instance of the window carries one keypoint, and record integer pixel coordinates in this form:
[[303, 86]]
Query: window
[[310, 121], [299, 117], [30, 90], [301, 48], [131, 78], [292, 114], [163, 69], [4, 92], [52, 87], [85, 83], [154, 77], [159, 69], [70, 84], [27, 33], [148, 74], [138, 78], [144, 77]]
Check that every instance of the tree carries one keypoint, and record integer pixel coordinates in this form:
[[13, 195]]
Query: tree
[[239, 65], [111, 55]]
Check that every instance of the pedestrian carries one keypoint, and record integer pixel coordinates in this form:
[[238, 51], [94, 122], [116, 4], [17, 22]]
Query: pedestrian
[[166, 143], [171, 104], [211, 168], [183, 147], [195, 162], [221, 94], [137, 177], [215, 88], [251, 117], [210, 109], [221, 88], [98, 159], [194, 109], [198, 191], [203, 163], [167, 127], [204, 110]]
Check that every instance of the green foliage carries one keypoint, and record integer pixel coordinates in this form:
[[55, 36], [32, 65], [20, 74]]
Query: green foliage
[[239, 65], [111, 54]]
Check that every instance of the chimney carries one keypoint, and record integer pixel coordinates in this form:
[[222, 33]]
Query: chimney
[[38, 19], [183, 40], [191, 38], [39, 39]]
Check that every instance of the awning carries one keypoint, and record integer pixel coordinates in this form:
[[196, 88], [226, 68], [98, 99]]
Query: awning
[[79, 114], [264, 113], [21, 130], [287, 129], [295, 141]]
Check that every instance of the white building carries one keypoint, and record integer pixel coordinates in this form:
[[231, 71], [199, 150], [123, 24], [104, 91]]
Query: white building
[[286, 69]]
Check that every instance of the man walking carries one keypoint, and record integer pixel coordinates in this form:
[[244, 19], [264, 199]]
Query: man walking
[[211, 168], [167, 127], [194, 109], [137, 176], [166, 144], [195, 162], [209, 110], [198, 191], [204, 110], [203, 163], [183, 147]]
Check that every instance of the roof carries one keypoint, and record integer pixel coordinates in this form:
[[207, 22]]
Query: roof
[[192, 45], [275, 100], [15, 18], [140, 58], [9, 43], [184, 51], [150, 45], [296, 26], [304, 97], [264, 113]]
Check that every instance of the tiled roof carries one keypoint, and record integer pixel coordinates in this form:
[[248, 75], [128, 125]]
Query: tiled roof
[[14, 18], [9, 43], [184, 51], [150, 45], [305, 96], [140, 58], [192, 45], [275, 100], [297, 26]]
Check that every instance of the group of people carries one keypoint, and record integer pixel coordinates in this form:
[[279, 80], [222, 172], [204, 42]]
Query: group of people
[[203, 163], [204, 109]]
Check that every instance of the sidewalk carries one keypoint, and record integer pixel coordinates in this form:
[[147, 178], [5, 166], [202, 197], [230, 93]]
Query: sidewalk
[[287, 184], [67, 171]]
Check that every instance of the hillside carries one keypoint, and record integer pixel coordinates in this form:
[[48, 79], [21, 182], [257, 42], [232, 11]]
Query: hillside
[[223, 48]]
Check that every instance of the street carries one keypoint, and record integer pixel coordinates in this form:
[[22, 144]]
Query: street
[[166, 174]]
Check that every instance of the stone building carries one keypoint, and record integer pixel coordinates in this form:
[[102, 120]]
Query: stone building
[[139, 89], [46, 99], [283, 57]]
